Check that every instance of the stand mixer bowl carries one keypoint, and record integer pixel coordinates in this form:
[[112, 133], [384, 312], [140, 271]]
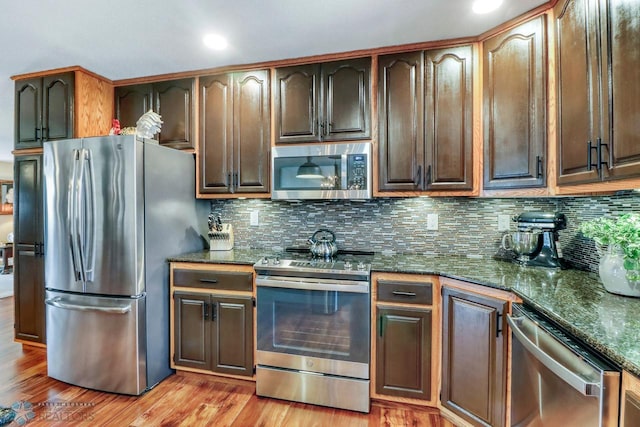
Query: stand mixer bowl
[[523, 243]]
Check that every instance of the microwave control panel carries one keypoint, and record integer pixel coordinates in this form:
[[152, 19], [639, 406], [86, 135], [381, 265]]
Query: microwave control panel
[[357, 171]]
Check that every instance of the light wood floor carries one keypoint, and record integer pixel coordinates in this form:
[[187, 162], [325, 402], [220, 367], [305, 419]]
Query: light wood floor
[[183, 399]]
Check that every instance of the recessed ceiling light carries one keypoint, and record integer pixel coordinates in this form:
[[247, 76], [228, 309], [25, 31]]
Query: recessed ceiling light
[[215, 41], [486, 6]]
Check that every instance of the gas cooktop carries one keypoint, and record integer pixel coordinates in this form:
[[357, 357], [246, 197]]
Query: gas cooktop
[[298, 262]]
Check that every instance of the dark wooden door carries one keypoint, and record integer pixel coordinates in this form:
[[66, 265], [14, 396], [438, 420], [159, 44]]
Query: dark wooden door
[[449, 119], [192, 330], [400, 120], [346, 94], [578, 120], [251, 132], [131, 102], [622, 125], [28, 249], [474, 357], [232, 339], [57, 106], [28, 113], [297, 104], [216, 133], [515, 104], [403, 352], [174, 101]]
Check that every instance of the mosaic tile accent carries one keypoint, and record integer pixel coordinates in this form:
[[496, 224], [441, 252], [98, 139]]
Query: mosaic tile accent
[[467, 226]]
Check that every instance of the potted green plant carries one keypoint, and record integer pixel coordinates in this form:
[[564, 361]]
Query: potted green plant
[[620, 265]]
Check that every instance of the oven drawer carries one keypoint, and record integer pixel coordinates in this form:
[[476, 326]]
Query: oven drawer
[[405, 292], [210, 279]]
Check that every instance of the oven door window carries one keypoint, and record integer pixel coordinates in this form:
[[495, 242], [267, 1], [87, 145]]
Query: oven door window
[[328, 324]]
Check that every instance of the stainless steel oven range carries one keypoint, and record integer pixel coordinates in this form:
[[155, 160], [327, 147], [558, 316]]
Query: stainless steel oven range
[[313, 329]]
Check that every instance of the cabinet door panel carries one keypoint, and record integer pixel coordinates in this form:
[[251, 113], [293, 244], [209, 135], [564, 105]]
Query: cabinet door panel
[[403, 359], [449, 118], [577, 100], [28, 109], [29, 294], [473, 357], [251, 131], [346, 91], [400, 119], [57, 107], [132, 102], [515, 107], [297, 98], [174, 102], [624, 106], [192, 330], [216, 133], [232, 346], [28, 227]]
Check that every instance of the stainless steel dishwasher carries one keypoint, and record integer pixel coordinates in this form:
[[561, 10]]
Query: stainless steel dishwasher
[[557, 381]]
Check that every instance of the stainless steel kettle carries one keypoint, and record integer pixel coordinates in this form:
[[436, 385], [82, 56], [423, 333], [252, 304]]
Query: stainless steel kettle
[[323, 243]]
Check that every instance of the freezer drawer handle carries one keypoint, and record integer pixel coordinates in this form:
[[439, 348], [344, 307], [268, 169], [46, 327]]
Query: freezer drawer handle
[[59, 303], [574, 380]]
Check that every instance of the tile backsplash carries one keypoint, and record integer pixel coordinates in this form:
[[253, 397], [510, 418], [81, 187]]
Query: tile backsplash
[[466, 226]]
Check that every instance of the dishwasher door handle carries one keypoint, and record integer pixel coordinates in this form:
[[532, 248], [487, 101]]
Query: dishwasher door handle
[[586, 388]]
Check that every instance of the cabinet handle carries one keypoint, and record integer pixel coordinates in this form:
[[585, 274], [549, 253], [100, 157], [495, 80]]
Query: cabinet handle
[[205, 313], [538, 166], [213, 312], [404, 294], [235, 180], [37, 133], [418, 178], [427, 175], [323, 130], [209, 280], [498, 324], [381, 328], [45, 131], [42, 249], [599, 153], [589, 149], [229, 182]]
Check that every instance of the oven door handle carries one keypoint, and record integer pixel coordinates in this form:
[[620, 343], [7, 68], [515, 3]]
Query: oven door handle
[[585, 387], [296, 283]]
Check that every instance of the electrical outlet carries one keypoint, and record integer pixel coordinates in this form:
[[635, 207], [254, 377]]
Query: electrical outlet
[[254, 219], [504, 222], [432, 221]]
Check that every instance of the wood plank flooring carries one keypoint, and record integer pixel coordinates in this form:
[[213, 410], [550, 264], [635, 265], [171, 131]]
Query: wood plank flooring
[[183, 399]]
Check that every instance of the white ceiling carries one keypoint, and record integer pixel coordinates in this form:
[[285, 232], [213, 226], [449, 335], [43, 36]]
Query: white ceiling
[[122, 39]]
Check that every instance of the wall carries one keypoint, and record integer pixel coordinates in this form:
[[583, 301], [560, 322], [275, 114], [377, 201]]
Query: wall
[[6, 221], [467, 226]]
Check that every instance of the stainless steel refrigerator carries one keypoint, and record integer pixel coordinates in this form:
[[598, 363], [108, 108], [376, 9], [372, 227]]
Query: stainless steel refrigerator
[[115, 209]]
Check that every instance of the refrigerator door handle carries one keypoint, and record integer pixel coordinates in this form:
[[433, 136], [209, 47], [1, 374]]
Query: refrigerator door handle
[[71, 215], [61, 303], [88, 213], [80, 222]]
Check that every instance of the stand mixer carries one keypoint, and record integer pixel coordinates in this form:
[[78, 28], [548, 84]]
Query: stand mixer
[[536, 241]]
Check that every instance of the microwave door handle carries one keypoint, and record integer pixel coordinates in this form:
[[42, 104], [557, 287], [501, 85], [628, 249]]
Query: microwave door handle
[[343, 172], [586, 388], [71, 214]]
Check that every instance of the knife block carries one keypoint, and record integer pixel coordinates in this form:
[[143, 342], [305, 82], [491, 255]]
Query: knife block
[[221, 240]]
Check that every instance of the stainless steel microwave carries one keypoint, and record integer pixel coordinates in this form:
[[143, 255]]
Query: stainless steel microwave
[[321, 171]]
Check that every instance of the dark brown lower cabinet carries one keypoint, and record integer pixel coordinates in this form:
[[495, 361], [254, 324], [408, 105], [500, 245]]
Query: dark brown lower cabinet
[[474, 357], [213, 332], [29, 293], [403, 352], [632, 410]]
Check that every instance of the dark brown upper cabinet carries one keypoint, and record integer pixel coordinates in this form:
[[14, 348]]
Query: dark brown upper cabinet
[[425, 112], [234, 133], [515, 105], [323, 102], [474, 354], [173, 100], [598, 129], [44, 110]]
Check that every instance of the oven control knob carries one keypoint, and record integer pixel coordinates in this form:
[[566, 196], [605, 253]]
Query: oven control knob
[[276, 261], [362, 266], [309, 363], [347, 265], [264, 260]]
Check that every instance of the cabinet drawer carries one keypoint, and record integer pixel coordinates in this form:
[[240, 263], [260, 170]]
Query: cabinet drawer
[[405, 292], [227, 280]]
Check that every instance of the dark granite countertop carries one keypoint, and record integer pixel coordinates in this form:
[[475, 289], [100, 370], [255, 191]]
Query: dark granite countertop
[[574, 299]]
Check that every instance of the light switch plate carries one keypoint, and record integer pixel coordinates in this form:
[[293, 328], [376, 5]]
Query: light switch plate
[[254, 220], [432, 221], [504, 222]]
